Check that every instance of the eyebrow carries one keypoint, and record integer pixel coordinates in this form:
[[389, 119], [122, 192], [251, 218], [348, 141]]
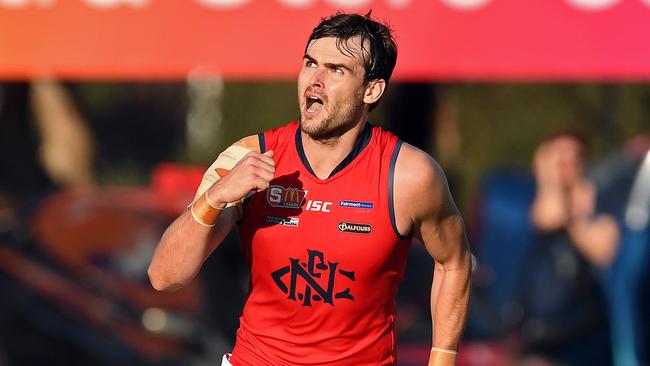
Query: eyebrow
[[307, 57], [329, 65]]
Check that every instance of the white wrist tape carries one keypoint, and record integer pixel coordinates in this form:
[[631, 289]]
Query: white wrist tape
[[444, 350]]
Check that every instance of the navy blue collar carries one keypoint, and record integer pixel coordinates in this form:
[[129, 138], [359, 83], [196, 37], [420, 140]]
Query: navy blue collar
[[359, 145]]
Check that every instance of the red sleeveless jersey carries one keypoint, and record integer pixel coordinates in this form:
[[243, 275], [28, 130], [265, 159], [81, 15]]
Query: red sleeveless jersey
[[325, 258]]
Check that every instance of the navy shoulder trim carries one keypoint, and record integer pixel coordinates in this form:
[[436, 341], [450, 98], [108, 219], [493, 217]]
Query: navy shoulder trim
[[391, 179], [260, 137]]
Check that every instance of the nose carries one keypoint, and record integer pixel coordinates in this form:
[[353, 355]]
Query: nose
[[317, 79]]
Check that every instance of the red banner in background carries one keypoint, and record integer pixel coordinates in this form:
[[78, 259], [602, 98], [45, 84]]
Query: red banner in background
[[265, 39]]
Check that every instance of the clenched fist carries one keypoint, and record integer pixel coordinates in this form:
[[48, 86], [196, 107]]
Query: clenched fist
[[252, 173]]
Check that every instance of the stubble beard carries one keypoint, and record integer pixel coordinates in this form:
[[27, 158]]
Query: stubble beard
[[341, 120]]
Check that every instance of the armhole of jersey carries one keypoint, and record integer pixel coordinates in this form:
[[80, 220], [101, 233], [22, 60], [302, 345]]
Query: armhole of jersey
[[243, 210], [391, 186], [245, 203], [262, 142], [260, 137]]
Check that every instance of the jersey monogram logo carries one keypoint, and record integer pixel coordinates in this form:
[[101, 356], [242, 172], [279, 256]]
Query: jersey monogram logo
[[310, 272]]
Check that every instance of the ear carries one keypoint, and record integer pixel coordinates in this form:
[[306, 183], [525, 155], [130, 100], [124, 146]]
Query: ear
[[374, 91]]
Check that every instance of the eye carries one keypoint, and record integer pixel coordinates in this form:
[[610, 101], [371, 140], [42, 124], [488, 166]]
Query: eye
[[338, 71], [310, 63]]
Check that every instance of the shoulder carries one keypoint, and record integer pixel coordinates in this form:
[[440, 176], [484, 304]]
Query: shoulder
[[251, 142], [420, 185], [269, 139], [416, 171]]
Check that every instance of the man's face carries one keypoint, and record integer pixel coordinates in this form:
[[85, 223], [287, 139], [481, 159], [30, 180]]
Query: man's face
[[570, 162], [330, 89]]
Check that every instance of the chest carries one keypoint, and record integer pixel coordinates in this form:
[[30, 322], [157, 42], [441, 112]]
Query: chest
[[344, 220]]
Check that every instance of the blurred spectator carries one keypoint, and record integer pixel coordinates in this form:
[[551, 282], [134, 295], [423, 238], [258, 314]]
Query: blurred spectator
[[625, 179], [22, 175], [45, 144], [67, 148], [71, 259], [564, 308], [566, 200]]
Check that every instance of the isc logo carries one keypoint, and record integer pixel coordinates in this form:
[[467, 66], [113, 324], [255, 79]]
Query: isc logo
[[278, 196], [318, 206]]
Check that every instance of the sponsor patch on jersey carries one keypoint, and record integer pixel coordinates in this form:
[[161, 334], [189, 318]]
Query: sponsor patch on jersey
[[356, 204], [278, 196], [285, 221], [350, 227], [318, 206]]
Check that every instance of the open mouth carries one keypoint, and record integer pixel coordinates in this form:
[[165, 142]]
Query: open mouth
[[313, 104]]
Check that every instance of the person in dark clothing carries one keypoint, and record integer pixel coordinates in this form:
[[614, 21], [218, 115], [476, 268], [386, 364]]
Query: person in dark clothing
[[564, 306]]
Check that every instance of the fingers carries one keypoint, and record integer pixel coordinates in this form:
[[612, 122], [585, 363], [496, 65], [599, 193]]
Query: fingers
[[268, 157], [261, 184], [258, 174], [258, 169], [265, 166], [263, 161], [267, 163], [252, 173], [264, 172]]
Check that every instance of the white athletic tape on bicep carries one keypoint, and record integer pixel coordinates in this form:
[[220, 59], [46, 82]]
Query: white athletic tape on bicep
[[226, 160], [231, 156]]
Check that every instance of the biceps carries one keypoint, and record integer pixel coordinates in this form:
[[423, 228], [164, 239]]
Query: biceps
[[444, 238]]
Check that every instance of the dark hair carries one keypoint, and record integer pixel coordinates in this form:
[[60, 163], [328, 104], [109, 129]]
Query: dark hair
[[572, 134], [378, 48], [569, 133]]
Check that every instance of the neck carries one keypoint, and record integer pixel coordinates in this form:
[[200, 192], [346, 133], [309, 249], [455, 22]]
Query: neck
[[325, 155]]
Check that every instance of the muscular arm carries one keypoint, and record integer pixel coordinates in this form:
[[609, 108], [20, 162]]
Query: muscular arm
[[187, 243], [423, 202], [184, 247]]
